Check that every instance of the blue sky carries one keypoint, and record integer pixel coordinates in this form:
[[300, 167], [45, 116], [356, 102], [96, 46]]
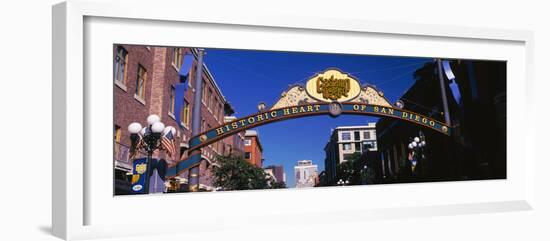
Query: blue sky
[[248, 77]]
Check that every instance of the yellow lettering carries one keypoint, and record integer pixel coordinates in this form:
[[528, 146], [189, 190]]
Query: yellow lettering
[[219, 130], [273, 114], [286, 111], [294, 110], [302, 109], [234, 125], [260, 117], [390, 111], [417, 118], [405, 114], [251, 120], [309, 108], [227, 127], [432, 123], [424, 120], [317, 107], [375, 109], [383, 110], [242, 122], [363, 107], [355, 107]]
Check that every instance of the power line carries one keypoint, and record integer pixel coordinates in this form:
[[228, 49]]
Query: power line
[[388, 68], [395, 78]]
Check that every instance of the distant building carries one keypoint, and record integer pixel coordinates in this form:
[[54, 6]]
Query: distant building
[[346, 140], [253, 148], [234, 144], [306, 174], [277, 172], [269, 172]]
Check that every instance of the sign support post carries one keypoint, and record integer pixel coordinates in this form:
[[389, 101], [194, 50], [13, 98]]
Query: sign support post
[[443, 93], [196, 121]]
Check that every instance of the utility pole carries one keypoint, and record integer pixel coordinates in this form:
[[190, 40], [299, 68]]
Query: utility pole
[[443, 93], [196, 121]]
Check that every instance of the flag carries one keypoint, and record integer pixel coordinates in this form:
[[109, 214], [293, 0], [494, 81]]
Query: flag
[[185, 67], [169, 144], [182, 86], [451, 77]]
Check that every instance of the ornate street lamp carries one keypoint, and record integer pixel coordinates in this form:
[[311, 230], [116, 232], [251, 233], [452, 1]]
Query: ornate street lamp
[[342, 182], [417, 146], [148, 139]]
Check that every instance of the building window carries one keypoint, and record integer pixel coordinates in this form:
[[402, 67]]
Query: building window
[[140, 82], [172, 100], [346, 136], [121, 61], [117, 137], [366, 135], [367, 145], [210, 99], [117, 134], [357, 146], [185, 114], [247, 155], [204, 89], [347, 157], [247, 142], [356, 135], [346, 146], [215, 107], [177, 57]]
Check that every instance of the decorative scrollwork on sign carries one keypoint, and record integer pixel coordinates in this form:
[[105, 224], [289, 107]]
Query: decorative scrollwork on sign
[[295, 95], [372, 96]]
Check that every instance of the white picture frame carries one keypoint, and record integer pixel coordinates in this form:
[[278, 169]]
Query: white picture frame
[[76, 199]]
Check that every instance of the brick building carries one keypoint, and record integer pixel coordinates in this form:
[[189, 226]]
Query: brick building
[[144, 84], [253, 148]]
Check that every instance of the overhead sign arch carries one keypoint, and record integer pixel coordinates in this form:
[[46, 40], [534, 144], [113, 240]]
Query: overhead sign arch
[[331, 92], [311, 109]]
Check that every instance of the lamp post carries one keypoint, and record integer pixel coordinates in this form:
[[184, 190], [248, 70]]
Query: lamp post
[[417, 145], [151, 139], [342, 182], [364, 174]]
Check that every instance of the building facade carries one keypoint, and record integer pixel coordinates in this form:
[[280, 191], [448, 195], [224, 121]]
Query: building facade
[[344, 142], [144, 84], [253, 148], [476, 148], [278, 172], [234, 144], [306, 174]]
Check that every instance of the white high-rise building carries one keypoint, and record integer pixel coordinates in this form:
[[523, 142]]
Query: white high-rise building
[[345, 141], [306, 174]]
